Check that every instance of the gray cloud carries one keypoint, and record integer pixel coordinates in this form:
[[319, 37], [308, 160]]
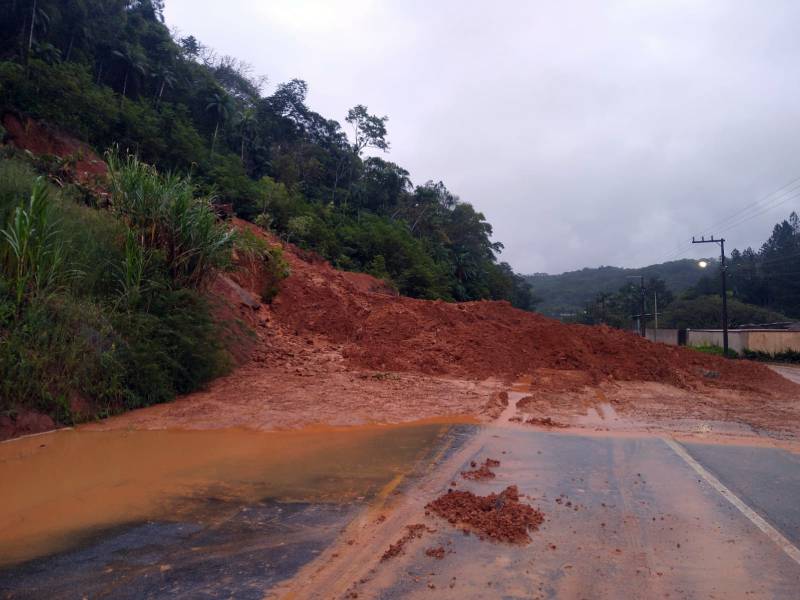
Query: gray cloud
[[588, 132]]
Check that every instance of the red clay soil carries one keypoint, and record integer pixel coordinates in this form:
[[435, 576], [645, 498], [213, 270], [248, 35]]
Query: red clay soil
[[381, 331], [437, 552], [482, 472], [501, 517], [341, 347], [544, 422], [42, 140], [412, 532]]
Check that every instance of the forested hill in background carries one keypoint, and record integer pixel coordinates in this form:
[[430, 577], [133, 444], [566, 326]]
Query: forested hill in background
[[569, 293], [110, 72], [762, 287]]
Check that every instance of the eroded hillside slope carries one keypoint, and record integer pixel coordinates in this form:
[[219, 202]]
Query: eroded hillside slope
[[339, 348]]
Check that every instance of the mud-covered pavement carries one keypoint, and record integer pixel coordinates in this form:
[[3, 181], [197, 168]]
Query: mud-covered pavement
[[630, 510], [627, 515]]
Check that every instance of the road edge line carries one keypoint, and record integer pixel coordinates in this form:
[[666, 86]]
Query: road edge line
[[790, 549]]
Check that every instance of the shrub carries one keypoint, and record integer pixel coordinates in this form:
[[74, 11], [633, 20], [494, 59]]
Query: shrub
[[126, 333], [269, 258], [715, 350]]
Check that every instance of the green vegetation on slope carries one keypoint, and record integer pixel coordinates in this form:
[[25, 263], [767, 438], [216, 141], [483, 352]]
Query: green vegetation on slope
[[111, 72], [102, 310]]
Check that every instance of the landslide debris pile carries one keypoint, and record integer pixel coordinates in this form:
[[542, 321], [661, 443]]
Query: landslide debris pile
[[379, 330]]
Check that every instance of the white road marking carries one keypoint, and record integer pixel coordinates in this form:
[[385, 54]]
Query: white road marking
[[748, 512]]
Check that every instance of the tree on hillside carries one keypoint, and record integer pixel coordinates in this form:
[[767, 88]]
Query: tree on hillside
[[164, 77], [132, 62], [220, 106], [270, 156], [246, 121], [369, 130]]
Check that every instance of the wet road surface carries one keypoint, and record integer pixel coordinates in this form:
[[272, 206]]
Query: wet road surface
[[192, 514], [626, 517], [242, 552]]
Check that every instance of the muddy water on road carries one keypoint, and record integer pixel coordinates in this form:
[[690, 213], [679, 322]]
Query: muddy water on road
[[62, 489]]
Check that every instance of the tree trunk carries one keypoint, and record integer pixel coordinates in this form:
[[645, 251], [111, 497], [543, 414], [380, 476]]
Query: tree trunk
[[214, 139], [336, 181], [242, 156], [125, 83], [69, 48], [33, 22], [160, 92]]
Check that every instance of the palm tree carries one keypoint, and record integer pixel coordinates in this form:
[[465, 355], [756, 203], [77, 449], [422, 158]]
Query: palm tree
[[166, 78], [219, 103], [47, 52], [132, 61], [38, 17], [247, 118]]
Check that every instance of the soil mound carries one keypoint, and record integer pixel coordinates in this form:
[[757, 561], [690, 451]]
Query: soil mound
[[501, 517], [379, 330]]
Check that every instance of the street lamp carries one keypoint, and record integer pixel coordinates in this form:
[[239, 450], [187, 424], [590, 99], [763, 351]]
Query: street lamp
[[723, 271]]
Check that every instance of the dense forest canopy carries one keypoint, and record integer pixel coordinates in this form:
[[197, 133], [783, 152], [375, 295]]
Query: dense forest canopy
[[111, 72]]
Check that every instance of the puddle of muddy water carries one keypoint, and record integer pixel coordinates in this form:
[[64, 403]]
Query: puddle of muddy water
[[62, 489]]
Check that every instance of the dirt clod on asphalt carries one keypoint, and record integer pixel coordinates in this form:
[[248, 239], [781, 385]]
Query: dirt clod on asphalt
[[482, 472], [412, 531], [437, 553], [544, 422], [501, 517]]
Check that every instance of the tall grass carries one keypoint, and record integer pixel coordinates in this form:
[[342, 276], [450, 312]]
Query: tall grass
[[167, 217], [133, 329], [32, 251]]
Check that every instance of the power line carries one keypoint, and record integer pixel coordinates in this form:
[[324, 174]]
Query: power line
[[767, 203], [794, 185], [761, 212]]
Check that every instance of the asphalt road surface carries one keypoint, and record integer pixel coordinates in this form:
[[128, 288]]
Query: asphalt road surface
[[636, 517]]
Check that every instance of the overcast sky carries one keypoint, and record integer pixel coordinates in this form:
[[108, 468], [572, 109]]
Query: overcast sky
[[589, 133]]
